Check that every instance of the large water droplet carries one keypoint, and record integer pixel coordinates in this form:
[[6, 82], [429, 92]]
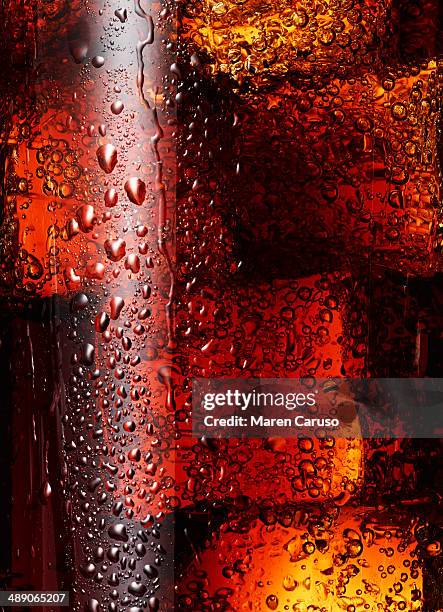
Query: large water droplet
[[121, 14], [101, 322], [88, 353], [137, 588], [135, 190], [117, 107], [111, 198], [107, 157], [132, 262], [98, 61], [46, 491], [154, 604], [72, 279], [79, 302], [115, 249], [116, 304], [86, 217], [118, 532], [93, 606]]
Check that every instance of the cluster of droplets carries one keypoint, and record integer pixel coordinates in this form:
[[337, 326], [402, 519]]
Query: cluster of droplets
[[255, 42], [82, 193], [326, 560], [329, 175]]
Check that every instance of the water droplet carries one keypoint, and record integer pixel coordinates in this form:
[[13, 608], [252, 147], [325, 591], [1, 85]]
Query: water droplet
[[111, 198], [118, 532], [137, 588], [135, 190], [107, 157], [79, 302], [150, 571], [399, 111], [166, 376], [86, 217], [96, 270], [72, 228], [101, 322], [88, 570], [93, 606], [121, 14], [134, 454], [115, 249], [46, 491], [98, 61], [72, 279], [195, 61], [117, 107], [129, 426], [116, 304], [132, 262], [114, 554], [154, 604], [35, 268], [88, 353]]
